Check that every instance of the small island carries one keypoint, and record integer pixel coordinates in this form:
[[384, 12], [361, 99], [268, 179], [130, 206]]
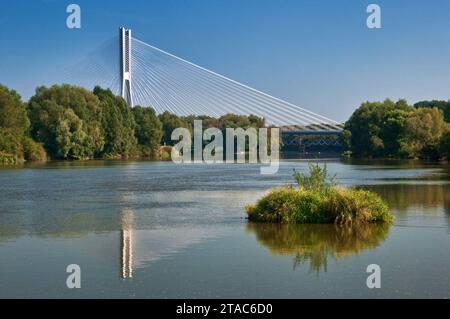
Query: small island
[[318, 200]]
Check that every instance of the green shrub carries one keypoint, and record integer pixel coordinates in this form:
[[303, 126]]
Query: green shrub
[[164, 153], [15, 148], [357, 205], [10, 142], [319, 201], [318, 179], [8, 159], [33, 151], [340, 206]]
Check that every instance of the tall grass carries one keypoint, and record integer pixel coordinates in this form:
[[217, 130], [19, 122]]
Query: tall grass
[[318, 200], [318, 179]]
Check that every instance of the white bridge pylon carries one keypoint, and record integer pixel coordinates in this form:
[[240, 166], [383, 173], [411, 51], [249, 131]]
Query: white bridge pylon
[[126, 90], [153, 77]]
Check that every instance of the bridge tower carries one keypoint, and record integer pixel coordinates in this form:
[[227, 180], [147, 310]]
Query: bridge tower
[[126, 89]]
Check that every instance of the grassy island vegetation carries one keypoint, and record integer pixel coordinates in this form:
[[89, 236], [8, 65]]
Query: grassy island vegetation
[[318, 200]]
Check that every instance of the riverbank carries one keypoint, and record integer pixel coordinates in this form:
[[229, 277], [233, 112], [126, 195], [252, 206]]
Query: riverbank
[[162, 154]]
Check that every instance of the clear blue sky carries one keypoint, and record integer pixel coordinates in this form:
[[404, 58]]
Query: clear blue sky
[[317, 54]]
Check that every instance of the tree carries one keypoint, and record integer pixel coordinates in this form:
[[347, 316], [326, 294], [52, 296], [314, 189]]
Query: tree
[[442, 105], [10, 143], [423, 130], [363, 129], [118, 124], [14, 125], [390, 129], [207, 121], [243, 121], [444, 144], [60, 111], [13, 122], [13, 114], [149, 129], [170, 122], [71, 139]]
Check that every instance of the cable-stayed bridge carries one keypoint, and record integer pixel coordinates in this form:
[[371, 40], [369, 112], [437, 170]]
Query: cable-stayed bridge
[[149, 76]]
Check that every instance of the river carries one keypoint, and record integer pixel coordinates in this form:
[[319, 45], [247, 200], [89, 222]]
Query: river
[[161, 230]]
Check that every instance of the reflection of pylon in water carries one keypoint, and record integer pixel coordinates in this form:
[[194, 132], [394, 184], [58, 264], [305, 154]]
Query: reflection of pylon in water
[[126, 245]]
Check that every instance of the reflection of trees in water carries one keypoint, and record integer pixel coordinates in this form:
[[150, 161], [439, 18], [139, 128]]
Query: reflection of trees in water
[[429, 198], [315, 243], [403, 196]]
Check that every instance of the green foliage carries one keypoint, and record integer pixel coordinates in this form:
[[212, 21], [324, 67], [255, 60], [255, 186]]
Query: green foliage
[[7, 159], [442, 105], [71, 122], [319, 201], [33, 151], [207, 121], [118, 124], [74, 123], [15, 145], [149, 129], [10, 142], [393, 128], [340, 206], [444, 144], [364, 128], [170, 122], [357, 205], [243, 121], [13, 115], [71, 137], [164, 153], [67, 120], [317, 180], [423, 130], [388, 129], [227, 121]]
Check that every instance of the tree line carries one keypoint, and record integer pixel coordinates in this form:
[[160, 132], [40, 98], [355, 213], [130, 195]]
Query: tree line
[[69, 122], [391, 129]]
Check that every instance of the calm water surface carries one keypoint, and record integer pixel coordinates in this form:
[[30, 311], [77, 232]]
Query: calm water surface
[[148, 229]]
